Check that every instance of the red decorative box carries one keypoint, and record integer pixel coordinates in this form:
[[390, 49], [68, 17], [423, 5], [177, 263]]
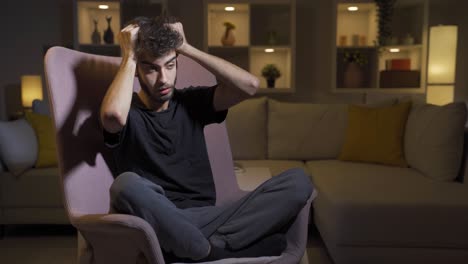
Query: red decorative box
[[398, 64]]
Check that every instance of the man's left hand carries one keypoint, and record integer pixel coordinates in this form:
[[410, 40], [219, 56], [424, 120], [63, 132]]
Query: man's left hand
[[179, 28]]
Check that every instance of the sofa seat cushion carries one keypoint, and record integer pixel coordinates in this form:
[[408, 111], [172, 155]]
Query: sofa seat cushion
[[34, 188], [361, 204], [275, 166]]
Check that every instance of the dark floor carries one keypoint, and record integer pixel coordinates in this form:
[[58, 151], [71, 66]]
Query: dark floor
[[54, 244]]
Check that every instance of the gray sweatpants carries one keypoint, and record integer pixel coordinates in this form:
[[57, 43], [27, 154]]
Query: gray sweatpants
[[188, 232]]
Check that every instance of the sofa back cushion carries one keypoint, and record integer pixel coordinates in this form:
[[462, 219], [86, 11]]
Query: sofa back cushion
[[434, 139], [302, 131], [247, 125]]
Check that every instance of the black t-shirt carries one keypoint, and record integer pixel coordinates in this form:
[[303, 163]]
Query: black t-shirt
[[168, 147]]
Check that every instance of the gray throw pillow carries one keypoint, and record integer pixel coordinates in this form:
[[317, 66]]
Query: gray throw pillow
[[18, 145], [434, 139]]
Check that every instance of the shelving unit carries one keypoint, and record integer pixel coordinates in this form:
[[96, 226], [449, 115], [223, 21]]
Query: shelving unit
[[357, 33], [121, 11], [264, 34]]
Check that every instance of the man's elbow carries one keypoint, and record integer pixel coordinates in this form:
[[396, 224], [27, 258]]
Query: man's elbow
[[112, 122], [253, 87]]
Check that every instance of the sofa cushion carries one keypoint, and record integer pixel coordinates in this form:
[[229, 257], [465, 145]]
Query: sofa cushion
[[362, 204], [434, 139], [18, 145], [375, 134], [44, 129], [301, 131], [275, 166], [246, 125], [40, 107], [34, 188]]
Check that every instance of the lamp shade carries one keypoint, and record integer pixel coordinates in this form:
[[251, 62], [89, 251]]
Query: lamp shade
[[442, 54], [440, 94], [31, 88]]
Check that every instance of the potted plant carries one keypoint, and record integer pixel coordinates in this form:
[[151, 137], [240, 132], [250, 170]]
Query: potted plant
[[271, 73], [384, 19], [228, 38], [355, 56]]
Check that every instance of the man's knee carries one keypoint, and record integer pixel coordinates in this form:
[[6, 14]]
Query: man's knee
[[123, 186], [299, 185]]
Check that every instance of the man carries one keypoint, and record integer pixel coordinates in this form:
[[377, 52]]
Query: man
[[159, 148]]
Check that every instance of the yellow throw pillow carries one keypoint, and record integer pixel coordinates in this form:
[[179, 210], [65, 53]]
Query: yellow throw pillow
[[376, 134], [44, 128]]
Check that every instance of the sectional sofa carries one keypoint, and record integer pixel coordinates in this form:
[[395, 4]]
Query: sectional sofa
[[28, 195], [366, 212]]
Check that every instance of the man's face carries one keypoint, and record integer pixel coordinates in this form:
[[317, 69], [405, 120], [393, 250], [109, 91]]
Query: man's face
[[158, 75]]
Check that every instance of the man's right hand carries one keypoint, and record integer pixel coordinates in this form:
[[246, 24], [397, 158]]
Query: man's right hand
[[127, 38]]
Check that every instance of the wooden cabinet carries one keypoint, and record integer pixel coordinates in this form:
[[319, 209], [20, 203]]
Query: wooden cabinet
[[263, 33], [366, 61]]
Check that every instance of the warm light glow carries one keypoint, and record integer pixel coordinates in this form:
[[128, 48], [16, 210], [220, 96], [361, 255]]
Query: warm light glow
[[230, 8], [353, 8], [394, 50], [269, 50], [31, 88], [442, 54], [103, 7], [440, 94]]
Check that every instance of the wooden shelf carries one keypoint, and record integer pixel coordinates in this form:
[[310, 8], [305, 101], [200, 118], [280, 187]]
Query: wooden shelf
[[260, 25]]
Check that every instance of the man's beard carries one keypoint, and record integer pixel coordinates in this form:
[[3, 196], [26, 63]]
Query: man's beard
[[154, 94]]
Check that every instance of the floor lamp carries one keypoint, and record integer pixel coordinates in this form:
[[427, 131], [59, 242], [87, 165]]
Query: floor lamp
[[442, 64]]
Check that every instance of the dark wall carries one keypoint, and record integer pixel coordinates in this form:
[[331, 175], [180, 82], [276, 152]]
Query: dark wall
[[28, 26]]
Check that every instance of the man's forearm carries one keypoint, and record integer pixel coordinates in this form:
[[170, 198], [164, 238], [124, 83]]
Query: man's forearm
[[227, 73], [116, 102]]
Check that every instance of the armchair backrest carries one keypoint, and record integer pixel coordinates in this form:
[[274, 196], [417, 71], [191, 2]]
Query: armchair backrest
[[76, 84]]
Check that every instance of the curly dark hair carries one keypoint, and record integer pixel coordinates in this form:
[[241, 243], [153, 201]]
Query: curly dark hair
[[155, 37]]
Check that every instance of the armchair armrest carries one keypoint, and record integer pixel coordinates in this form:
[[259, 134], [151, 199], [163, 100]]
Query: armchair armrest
[[118, 238]]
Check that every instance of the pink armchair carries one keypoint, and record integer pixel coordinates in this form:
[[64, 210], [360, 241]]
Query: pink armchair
[[76, 85]]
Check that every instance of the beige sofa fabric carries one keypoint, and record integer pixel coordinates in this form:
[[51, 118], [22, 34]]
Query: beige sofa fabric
[[362, 204], [434, 139], [246, 125], [34, 188], [305, 131]]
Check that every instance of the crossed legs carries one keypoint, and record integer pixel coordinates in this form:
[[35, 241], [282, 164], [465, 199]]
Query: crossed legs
[[189, 233]]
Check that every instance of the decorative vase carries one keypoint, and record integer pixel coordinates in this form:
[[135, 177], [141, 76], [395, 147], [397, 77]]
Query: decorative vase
[[109, 34], [271, 82], [228, 38], [96, 36], [353, 76], [408, 40], [272, 37]]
